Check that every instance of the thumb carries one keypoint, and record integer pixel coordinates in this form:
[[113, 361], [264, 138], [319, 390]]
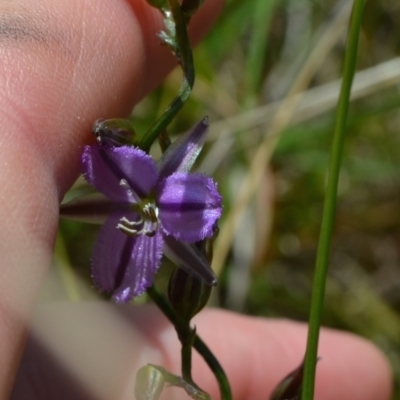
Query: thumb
[[63, 65]]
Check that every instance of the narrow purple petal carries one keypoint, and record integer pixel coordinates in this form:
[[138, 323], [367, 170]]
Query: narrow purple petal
[[190, 258], [189, 205], [125, 265], [104, 167], [93, 208], [182, 154]]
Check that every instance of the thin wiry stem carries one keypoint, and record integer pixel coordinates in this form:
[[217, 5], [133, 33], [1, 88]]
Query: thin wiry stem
[[185, 57], [318, 290], [198, 344]]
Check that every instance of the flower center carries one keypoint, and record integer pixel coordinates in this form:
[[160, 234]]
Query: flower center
[[148, 221]]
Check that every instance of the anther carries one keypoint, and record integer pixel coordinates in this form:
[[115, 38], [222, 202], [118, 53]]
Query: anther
[[151, 211]]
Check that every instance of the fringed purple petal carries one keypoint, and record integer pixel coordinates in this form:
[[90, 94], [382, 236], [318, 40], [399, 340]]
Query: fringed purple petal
[[190, 258], [125, 265], [104, 167], [182, 153], [189, 205]]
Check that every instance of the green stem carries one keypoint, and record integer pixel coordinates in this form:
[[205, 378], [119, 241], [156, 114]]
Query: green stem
[[186, 357], [216, 368], [198, 344], [318, 290], [186, 337], [186, 60]]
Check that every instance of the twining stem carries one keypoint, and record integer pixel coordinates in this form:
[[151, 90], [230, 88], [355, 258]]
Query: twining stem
[[318, 289], [198, 344], [186, 337], [185, 58]]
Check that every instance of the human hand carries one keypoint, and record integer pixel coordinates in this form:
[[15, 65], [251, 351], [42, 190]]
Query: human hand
[[93, 350], [65, 64]]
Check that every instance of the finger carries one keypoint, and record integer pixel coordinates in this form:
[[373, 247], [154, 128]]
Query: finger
[[93, 350], [63, 64], [258, 354]]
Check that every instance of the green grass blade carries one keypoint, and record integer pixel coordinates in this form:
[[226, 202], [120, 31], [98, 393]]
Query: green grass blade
[[261, 19], [318, 291]]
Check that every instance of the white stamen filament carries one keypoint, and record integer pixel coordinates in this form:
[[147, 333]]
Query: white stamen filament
[[148, 221]]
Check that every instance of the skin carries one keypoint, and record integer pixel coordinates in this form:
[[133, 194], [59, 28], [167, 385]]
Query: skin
[[63, 65]]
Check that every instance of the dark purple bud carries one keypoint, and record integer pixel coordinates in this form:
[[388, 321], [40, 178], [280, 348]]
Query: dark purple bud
[[115, 132], [187, 294], [290, 386]]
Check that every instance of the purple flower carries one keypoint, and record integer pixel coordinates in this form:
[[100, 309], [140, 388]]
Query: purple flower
[[150, 209]]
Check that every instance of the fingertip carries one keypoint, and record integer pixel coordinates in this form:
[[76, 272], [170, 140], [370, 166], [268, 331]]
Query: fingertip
[[258, 353], [351, 367]]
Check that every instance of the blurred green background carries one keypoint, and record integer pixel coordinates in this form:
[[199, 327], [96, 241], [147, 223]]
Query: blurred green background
[[268, 77]]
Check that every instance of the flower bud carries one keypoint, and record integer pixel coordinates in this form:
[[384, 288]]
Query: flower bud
[[149, 383], [187, 294], [115, 132], [289, 388]]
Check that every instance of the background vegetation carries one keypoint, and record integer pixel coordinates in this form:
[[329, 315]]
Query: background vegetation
[[268, 77]]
